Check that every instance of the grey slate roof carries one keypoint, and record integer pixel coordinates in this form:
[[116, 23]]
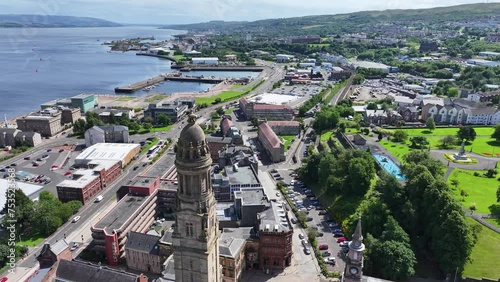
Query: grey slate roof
[[76, 271], [230, 247], [144, 243]]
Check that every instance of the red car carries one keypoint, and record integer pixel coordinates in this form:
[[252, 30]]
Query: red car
[[67, 173], [4, 279], [323, 247], [341, 239]]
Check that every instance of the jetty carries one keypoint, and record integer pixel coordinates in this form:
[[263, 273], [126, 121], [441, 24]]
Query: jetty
[[215, 68], [139, 85], [169, 77], [157, 56]]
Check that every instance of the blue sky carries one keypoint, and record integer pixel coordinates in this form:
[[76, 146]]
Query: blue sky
[[189, 11]]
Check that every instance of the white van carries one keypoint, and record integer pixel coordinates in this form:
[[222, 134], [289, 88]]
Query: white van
[[99, 198]]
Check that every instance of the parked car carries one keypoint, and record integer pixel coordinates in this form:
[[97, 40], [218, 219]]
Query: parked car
[[49, 150], [336, 230], [333, 225], [136, 167], [320, 234], [344, 244], [330, 260], [274, 170], [341, 239], [62, 150], [307, 251], [323, 247], [326, 254], [13, 164], [67, 173], [36, 164], [309, 218], [301, 236], [74, 246], [3, 169], [293, 220], [339, 234]]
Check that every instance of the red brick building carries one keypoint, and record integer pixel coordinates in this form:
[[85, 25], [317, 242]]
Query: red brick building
[[271, 142], [49, 257], [275, 238], [265, 111], [87, 183]]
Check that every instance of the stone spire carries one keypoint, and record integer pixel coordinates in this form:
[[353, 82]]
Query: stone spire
[[357, 237]]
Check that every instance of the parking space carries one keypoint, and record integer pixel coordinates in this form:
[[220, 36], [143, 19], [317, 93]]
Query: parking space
[[318, 218]]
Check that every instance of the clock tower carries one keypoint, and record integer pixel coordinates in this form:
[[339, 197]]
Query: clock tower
[[354, 263]]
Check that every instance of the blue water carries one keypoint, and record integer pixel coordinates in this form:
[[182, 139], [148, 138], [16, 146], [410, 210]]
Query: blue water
[[43, 64], [389, 166]]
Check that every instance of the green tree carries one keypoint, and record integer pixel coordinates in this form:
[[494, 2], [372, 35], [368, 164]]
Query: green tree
[[498, 194], [148, 120], [361, 171], [134, 126], [302, 216], [394, 232], [453, 92], [164, 120], [448, 141], [79, 126], [358, 79], [419, 142], [467, 132], [380, 136], [400, 136], [454, 182], [147, 126], [394, 260], [312, 234], [496, 133], [4, 252], [220, 111], [430, 124]]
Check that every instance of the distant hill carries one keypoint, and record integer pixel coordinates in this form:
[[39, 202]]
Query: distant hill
[[331, 24], [52, 21]]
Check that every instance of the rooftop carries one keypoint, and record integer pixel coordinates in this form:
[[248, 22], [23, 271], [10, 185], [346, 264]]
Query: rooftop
[[122, 212], [143, 243], [273, 98], [283, 123], [242, 175], [230, 247], [225, 211], [142, 181], [80, 179], [240, 233], [85, 271], [252, 197], [107, 151], [274, 219], [269, 135], [82, 95]]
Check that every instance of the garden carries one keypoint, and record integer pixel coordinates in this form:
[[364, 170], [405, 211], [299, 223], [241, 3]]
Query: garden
[[484, 254]]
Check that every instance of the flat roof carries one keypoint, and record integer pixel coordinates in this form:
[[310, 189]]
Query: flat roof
[[275, 99], [81, 178], [82, 95], [370, 65], [124, 210], [107, 151], [223, 211], [244, 175], [27, 188], [142, 181], [252, 197]]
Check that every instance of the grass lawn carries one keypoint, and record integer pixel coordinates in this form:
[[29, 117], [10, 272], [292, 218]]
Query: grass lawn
[[398, 150], [125, 98], [31, 240], [485, 255], [148, 146], [494, 221], [325, 136], [228, 95], [481, 190], [178, 57], [155, 98], [229, 111], [237, 86], [483, 144], [287, 140]]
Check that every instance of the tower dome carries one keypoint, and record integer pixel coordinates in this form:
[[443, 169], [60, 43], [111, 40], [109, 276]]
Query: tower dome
[[192, 145], [191, 134]]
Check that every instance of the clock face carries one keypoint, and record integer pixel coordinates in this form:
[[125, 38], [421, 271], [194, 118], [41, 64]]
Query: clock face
[[353, 270]]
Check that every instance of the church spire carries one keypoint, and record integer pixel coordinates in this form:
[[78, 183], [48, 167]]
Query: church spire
[[357, 237]]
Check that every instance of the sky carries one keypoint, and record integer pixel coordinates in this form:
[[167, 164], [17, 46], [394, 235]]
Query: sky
[[191, 11]]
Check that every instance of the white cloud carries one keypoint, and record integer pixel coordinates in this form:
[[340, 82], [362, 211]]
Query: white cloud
[[185, 11]]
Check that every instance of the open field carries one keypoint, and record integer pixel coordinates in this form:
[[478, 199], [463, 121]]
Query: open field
[[485, 255], [480, 189], [398, 150], [482, 145]]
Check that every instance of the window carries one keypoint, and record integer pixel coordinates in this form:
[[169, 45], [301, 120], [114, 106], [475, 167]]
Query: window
[[191, 264], [189, 229]]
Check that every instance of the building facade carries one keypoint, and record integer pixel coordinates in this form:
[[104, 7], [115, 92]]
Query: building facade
[[271, 142], [142, 253], [106, 134], [14, 137], [46, 125], [196, 234], [174, 112], [285, 127]]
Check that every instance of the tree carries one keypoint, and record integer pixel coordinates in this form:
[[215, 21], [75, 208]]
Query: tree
[[134, 126], [79, 126], [4, 252], [400, 136], [302, 216], [312, 234], [419, 142], [394, 260], [496, 133], [360, 174], [455, 182], [448, 141], [220, 111], [380, 136], [163, 120], [394, 232], [217, 100], [467, 132], [430, 124], [148, 120], [358, 79], [147, 126], [498, 194], [453, 92]]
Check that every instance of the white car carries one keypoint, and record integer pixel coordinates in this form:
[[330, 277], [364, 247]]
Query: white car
[[76, 218], [330, 260], [74, 247]]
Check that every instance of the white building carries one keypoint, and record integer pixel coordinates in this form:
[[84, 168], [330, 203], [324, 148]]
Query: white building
[[282, 58], [108, 152], [488, 54], [30, 190], [205, 61], [307, 65]]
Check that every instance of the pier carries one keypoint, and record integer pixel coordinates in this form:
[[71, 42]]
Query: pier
[[157, 79], [213, 68], [157, 56], [139, 85]]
